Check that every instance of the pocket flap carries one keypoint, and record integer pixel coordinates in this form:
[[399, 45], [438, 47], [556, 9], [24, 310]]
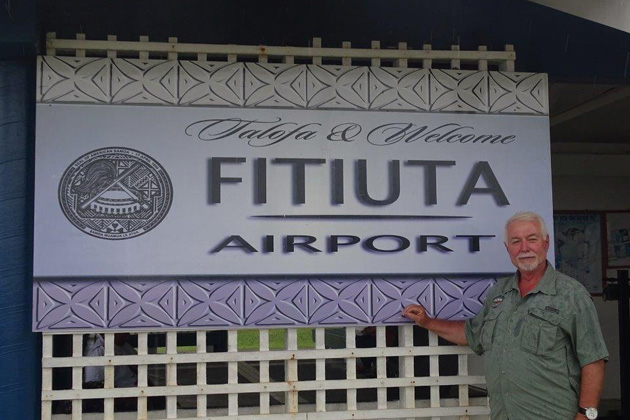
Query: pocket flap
[[548, 316]]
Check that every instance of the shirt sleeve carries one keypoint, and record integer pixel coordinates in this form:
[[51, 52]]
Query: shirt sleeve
[[472, 329], [587, 339]]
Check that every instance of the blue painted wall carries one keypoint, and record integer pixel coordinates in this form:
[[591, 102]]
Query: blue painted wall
[[19, 348]]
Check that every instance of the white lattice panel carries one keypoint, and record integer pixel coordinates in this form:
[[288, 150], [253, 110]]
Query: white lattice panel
[[191, 380]]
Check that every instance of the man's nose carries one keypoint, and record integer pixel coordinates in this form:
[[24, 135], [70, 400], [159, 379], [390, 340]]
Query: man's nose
[[524, 246]]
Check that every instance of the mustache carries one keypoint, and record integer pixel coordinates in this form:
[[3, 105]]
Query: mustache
[[526, 255]]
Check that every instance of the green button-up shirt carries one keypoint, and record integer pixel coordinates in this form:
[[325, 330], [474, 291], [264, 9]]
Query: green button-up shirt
[[536, 345]]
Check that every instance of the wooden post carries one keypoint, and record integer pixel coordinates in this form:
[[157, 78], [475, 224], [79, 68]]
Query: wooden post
[[381, 368], [462, 365], [434, 371], [232, 372], [427, 63], [317, 43], [172, 56], [108, 403], [143, 374], [171, 374], [482, 65], [112, 53], [508, 65], [143, 55], [346, 61], [80, 52], [202, 372], [351, 367], [456, 64], [77, 376], [263, 345], [50, 36], [47, 376], [262, 56], [406, 370], [320, 370], [291, 373], [376, 62], [401, 62]]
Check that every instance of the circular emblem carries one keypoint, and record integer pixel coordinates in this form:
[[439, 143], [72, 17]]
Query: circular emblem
[[115, 193]]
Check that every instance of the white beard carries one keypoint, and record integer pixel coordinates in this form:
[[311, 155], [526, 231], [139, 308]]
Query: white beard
[[527, 267]]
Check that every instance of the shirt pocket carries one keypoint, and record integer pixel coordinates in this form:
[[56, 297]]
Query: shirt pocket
[[540, 334], [488, 329]]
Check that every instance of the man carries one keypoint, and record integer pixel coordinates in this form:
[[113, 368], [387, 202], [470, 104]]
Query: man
[[540, 333]]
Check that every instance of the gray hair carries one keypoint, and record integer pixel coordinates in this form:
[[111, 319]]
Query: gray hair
[[526, 216]]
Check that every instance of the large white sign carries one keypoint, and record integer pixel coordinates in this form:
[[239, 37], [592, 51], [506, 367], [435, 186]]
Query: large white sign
[[134, 191]]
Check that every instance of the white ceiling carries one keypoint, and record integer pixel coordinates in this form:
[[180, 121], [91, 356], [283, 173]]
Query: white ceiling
[[613, 13]]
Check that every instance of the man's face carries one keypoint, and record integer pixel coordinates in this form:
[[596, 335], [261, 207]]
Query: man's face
[[526, 245]]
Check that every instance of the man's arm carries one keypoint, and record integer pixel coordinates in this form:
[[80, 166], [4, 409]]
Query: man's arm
[[591, 385], [452, 331]]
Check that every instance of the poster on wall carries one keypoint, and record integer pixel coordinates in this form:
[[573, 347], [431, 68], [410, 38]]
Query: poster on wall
[[149, 191], [579, 248], [618, 239]]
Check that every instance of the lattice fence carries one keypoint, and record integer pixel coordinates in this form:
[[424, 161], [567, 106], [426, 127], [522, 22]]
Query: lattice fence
[[294, 383]]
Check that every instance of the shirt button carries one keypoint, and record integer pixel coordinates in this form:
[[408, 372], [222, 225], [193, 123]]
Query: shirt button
[[503, 372]]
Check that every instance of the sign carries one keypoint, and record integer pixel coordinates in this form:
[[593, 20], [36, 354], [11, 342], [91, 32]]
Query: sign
[[145, 191]]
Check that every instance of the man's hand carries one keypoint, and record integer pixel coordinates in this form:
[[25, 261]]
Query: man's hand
[[417, 314], [452, 331]]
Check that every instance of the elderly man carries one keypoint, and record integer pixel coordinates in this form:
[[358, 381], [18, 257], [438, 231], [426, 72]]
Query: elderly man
[[539, 330]]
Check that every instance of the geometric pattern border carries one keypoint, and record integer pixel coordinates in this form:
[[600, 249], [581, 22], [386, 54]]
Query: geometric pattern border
[[302, 86], [228, 303]]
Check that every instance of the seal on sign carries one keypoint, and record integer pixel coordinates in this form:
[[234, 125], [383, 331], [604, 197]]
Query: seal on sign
[[115, 193]]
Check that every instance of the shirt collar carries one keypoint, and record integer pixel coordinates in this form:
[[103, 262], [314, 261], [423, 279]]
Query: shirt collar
[[546, 285]]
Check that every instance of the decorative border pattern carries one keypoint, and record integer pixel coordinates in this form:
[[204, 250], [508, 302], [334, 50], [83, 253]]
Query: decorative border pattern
[[205, 83], [237, 303]]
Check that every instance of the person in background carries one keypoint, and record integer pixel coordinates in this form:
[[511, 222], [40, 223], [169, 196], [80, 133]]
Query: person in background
[[124, 376]]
